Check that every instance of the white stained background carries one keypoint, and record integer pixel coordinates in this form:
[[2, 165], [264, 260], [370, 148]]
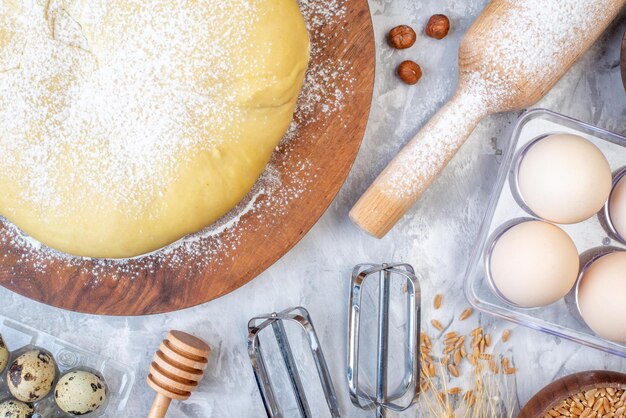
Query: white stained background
[[435, 237]]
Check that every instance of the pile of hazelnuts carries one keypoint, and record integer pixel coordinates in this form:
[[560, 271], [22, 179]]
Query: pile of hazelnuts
[[403, 37]]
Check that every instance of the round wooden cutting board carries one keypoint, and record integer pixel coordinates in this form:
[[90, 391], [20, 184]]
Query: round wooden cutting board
[[310, 168]]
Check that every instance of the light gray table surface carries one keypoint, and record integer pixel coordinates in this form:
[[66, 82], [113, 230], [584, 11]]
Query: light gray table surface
[[435, 237]]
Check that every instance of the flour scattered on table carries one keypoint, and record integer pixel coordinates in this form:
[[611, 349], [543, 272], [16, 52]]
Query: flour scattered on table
[[326, 88]]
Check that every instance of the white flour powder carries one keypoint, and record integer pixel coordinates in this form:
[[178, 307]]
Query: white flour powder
[[153, 141], [535, 39], [128, 101]]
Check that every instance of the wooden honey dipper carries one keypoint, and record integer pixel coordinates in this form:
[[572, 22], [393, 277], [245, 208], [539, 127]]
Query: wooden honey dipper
[[176, 369], [515, 51]]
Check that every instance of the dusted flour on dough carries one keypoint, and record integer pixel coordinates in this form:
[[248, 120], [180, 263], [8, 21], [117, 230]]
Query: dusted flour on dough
[[127, 124]]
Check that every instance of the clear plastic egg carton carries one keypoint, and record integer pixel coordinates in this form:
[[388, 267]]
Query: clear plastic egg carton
[[592, 237], [119, 378]]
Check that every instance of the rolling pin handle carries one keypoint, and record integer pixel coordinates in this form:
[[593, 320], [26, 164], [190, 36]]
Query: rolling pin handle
[[410, 173]]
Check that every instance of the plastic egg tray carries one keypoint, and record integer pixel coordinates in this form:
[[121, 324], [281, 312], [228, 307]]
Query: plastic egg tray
[[592, 237], [119, 378]]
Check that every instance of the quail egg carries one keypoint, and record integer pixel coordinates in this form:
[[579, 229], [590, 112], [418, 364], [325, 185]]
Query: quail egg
[[4, 354], [15, 409], [31, 376], [80, 392]]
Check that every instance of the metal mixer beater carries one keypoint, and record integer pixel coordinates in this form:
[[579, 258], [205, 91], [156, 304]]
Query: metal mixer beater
[[276, 321], [405, 395]]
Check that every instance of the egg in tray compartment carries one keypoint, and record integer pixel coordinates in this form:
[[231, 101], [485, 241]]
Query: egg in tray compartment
[[551, 253], [43, 376]]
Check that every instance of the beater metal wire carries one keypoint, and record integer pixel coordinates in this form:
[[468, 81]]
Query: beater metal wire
[[408, 389], [301, 317]]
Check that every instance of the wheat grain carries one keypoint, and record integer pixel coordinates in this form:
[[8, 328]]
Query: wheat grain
[[454, 391], [485, 399], [465, 314], [476, 331], [594, 403], [453, 370], [459, 343], [438, 300], [457, 357]]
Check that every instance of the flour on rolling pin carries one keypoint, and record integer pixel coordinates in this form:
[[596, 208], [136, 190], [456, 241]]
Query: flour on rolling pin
[[434, 148], [528, 56], [515, 51]]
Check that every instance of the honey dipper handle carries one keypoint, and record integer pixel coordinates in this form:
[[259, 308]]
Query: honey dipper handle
[[159, 406], [410, 173]]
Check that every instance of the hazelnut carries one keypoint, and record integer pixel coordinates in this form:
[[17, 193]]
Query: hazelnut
[[401, 37], [409, 72], [438, 26]]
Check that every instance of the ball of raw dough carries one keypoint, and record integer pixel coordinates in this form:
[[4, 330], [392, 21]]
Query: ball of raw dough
[[31, 376], [80, 392], [4, 355], [16, 409], [564, 178], [140, 122], [534, 264], [602, 296]]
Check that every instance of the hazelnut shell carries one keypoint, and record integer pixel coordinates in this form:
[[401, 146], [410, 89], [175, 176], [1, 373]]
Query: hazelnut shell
[[409, 72], [438, 26], [402, 37]]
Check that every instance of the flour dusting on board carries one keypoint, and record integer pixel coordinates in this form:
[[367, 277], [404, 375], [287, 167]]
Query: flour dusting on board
[[326, 86], [535, 40]]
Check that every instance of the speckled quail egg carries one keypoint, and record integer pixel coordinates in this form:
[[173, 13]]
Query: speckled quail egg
[[31, 376], [15, 409], [4, 354], [80, 392]]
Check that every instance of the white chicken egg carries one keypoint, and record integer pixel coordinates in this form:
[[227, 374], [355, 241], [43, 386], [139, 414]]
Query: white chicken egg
[[602, 296], [533, 263], [564, 178], [80, 392], [617, 207]]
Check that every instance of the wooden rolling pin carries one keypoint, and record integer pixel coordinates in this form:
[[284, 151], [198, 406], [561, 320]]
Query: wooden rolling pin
[[176, 369], [515, 51]]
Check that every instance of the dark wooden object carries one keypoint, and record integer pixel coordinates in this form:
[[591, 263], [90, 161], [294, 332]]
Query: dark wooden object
[[563, 388], [328, 145]]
